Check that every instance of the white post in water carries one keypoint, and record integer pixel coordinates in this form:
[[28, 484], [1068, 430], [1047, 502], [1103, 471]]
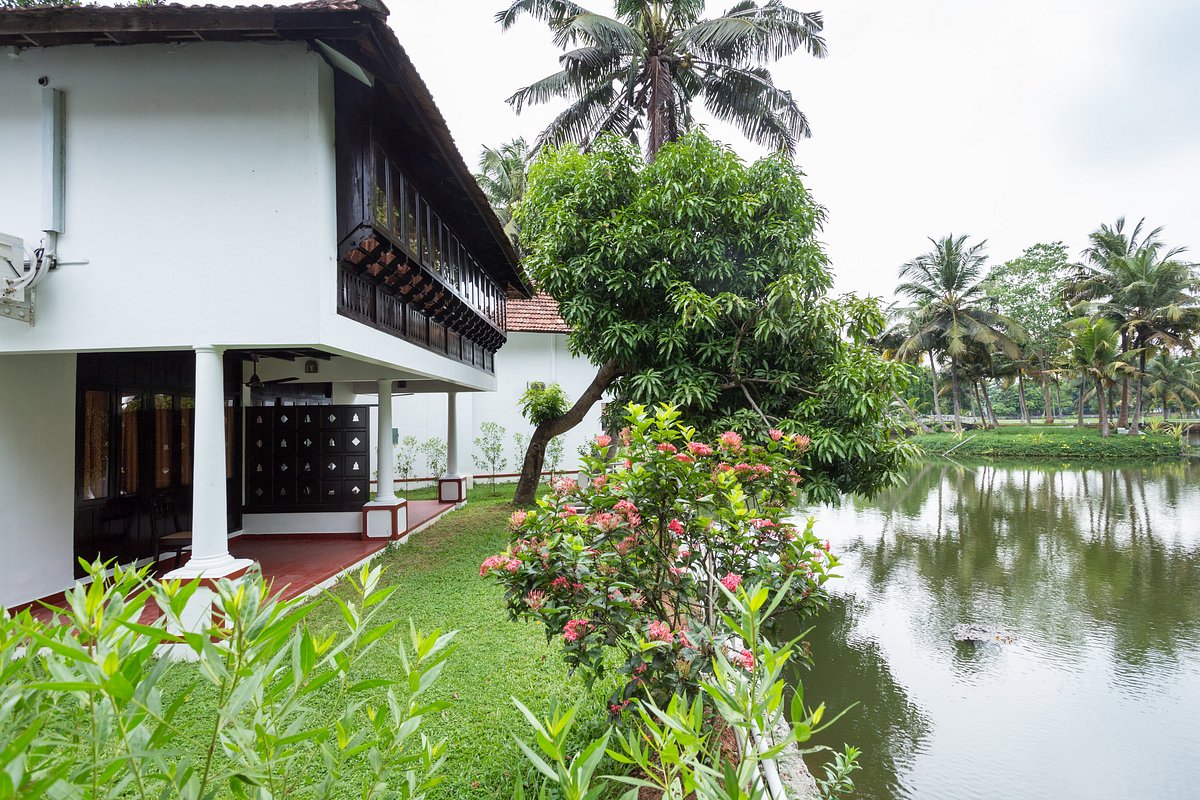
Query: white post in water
[[385, 486]]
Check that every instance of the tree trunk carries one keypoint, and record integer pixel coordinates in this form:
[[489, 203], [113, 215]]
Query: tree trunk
[[954, 395], [987, 404], [1021, 396], [1102, 407], [1046, 401], [1123, 421], [1082, 392], [535, 453], [983, 420], [937, 402], [912, 414], [1136, 423]]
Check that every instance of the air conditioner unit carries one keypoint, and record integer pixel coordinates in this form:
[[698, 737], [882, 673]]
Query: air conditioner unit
[[16, 280]]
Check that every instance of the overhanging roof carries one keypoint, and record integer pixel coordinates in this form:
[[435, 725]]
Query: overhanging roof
[[356, 28]]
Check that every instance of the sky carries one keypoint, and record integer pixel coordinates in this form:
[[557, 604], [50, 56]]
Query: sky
[[1015, 121]]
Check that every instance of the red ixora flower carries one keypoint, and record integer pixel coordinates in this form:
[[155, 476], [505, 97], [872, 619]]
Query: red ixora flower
[[676, 527], [730, 440], [659, 631], [603, 440], [699, 449], [575, 629], [599, 481], [564, 485], [731, 581], [666, 447], [744, 659], [775, 434], [517, 519], [499, 561]]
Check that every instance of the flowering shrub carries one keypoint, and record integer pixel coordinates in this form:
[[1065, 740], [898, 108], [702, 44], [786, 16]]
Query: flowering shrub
[[638, 554]]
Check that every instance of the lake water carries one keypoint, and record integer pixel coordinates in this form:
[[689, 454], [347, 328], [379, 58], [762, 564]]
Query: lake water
[[1096, 571]]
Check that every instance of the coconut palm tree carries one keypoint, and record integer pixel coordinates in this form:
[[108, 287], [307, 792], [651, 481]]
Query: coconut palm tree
[[951, 307], [1174, 382], [502, 177], [1100, 277], [641, 69], [1095, 351], [1157, 303]]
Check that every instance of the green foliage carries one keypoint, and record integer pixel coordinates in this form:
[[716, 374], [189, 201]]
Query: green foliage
[[502, 177], [434, 450], [520, 444], [674, 751], [1028, 289], [406, 458], [635, 558], [554, 454], [701, 279], [83, 714], [1056, 442], [490, 445], [541, 402], [642, 68]]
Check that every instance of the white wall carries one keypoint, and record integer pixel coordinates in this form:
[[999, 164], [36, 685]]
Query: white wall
[[37, 475], [526, 357]]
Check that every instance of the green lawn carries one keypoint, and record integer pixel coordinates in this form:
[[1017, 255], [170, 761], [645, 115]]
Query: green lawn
[[439, 587], [1049, 441]]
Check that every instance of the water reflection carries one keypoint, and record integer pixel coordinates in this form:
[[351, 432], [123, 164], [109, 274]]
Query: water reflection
[[1098, 573]]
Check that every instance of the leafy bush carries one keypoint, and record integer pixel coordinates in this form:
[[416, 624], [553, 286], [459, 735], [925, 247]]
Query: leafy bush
[[675, 750], [82, 714], [435, 455], [542, 402], [406, 458], [639, 557], [490, 443]]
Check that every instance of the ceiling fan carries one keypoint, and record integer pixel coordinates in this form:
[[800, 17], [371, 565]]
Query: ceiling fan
[[256, 382]]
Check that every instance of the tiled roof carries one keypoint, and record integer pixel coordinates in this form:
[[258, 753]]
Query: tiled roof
[[536, 315]]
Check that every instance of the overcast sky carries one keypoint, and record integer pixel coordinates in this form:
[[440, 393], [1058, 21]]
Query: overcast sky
[[1017, 121]]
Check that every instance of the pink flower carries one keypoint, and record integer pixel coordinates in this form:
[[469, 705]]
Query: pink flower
[[605, 521], [723, 467], [603, 440], [731, 581], [513, 565], [801, 442], [762, 523], [564, 486], [826, 546], [625, 507], [745, 660], [599, 481], [666, 447], [660, 632], [699, 449], [676, 527], [685, 553], [762, 469], [730, 440], [627, 464], [683, 638], [490, 563], [535, 599], [559, 583], [575, 629], [626, 436], [775, 434], [517, 519], [684, 457]]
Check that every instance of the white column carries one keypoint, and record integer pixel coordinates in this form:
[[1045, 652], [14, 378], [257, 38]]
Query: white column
[[452, 435], [385, 486], [210, 533]]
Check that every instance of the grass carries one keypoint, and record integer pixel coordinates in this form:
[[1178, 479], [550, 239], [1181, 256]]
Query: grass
[[1049, 441], [495, 660]]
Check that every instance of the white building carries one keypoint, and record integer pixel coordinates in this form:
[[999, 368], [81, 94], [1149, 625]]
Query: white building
[[241, 205], [536, 351]]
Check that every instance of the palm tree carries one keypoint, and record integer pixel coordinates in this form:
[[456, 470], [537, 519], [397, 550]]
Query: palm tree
[[951, 307], [502, 177], [1174, 382], [1099, 278], [1095, 351], [641, 69], [1157, 302]]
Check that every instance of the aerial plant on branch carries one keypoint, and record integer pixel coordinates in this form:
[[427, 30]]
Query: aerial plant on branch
[[641, 70], [83, 713], [698, 280], [639, 556]]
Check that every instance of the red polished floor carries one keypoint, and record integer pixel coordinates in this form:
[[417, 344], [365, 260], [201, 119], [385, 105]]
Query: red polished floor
[[295, 564]]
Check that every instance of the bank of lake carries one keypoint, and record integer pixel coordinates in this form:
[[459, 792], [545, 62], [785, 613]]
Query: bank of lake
[[1058, 442]]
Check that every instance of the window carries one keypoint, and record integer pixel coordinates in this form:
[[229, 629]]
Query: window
[[396, 201], [187, 414], [164, 442], [97, 443], [129, 408], [379, 199], [411, 238]]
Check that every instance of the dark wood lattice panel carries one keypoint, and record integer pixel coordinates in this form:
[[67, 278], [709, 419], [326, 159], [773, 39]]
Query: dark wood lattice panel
[[307, 458]]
